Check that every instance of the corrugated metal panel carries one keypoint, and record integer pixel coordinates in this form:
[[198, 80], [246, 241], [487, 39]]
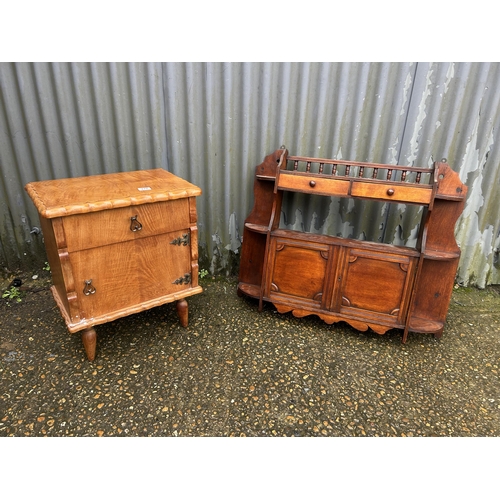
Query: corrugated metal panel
[[224, 117], [455, 114], [211, 123], [71, 119]]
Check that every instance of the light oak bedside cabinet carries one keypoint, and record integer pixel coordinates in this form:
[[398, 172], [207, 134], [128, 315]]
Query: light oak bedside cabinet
[[118, 244]]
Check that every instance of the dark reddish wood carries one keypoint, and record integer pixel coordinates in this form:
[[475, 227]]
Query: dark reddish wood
[[366, 284], [257, 223], [89, 339], [131, 235], [182, 311]]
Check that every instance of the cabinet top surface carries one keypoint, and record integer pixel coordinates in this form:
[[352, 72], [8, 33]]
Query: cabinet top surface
[[60, 197]]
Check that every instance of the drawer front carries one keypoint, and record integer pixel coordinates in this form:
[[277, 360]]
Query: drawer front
[[313, 185], [391, 192], [131, 273], [96, 229]]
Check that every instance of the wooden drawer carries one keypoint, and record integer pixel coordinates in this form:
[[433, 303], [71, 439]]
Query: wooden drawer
[[106, 227], [126, 274], [313, 185], [391, 192]]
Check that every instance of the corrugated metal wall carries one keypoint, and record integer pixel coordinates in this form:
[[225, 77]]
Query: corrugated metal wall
[[211, 123]]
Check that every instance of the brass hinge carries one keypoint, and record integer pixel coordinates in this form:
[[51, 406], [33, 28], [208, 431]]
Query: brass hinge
[[183, 280]]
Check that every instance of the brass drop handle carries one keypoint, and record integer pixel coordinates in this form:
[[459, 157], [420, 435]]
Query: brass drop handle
[[390, 192], [135, 225], [89, 289], [312, 183]]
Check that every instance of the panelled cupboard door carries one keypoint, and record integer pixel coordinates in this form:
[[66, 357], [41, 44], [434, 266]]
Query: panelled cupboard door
[[376, 285], [298, 270], [130, 273]]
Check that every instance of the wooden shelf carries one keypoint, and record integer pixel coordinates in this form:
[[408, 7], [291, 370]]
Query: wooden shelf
[[440, 255], [366, 283], [425, 325], [256, 228], [251, 290]]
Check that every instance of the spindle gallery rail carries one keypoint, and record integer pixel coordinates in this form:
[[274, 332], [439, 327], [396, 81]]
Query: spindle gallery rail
[[342, 168], [366, 284]]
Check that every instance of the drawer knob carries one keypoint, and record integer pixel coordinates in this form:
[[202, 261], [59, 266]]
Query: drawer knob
[[390, 192], [312, 183], [135, 225], [88, 289]]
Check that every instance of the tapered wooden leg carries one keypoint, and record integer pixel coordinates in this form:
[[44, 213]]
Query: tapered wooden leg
[[89, 339], [405, 335], [182, 311]]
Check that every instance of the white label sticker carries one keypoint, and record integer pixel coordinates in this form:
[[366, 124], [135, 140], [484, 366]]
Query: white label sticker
[[144, 189]]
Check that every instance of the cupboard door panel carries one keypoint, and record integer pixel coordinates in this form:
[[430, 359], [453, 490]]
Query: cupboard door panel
[[298, 270], [376, 283], [127, 274]]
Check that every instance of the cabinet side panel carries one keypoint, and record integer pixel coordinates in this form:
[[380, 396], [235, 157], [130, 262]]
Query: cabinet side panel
[[441, 228], [252, 257], [434, 289], [263, 189], [54, 261]]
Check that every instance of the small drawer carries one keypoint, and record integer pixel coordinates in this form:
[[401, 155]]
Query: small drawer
[[392, 192], [95, 229], [313, 185]]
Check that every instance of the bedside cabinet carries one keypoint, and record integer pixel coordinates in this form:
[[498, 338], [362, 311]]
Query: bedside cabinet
[[118, 244]]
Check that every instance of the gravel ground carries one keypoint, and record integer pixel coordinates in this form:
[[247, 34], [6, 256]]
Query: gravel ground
[[237, 372]]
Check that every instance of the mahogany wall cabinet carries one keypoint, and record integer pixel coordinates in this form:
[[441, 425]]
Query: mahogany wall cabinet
[[366, 284], [118, 244]]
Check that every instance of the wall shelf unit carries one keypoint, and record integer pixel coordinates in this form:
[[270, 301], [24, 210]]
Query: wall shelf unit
[[366, 284]]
